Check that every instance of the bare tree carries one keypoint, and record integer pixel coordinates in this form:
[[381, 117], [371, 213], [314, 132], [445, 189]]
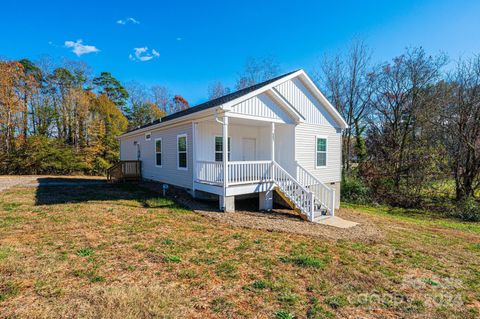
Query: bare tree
[[162, 97], [398, 141], [347, 80], [459, 124], [257, 70], [216, 90]]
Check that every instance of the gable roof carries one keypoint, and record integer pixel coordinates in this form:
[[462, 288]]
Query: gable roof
[[213, 103], [233, 98]]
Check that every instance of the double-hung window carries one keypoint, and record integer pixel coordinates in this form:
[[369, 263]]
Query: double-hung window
[[182, 151], [158, 152], [219, 149], [321, 151]]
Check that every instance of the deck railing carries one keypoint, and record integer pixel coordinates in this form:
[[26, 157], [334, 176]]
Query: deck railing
[[125, 170]]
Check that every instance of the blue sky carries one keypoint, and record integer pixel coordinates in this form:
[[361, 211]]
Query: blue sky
[[198, 42]]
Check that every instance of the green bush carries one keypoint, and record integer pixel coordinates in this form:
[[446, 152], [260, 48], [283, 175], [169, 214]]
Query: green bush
[[468, 210], [353, 190]]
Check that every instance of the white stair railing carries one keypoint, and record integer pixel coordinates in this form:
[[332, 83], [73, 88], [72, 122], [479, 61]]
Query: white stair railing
[[290, 187], [324, 195]]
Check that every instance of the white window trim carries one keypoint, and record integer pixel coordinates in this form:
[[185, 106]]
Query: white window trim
[[186, 152], [215, 151], [326, 151], [149, 138], [155, 151]]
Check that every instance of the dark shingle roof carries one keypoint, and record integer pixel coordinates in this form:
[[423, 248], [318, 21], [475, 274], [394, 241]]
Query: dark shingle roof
[[213, 103]]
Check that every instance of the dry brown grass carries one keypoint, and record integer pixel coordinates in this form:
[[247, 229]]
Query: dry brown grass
[[121, 252]]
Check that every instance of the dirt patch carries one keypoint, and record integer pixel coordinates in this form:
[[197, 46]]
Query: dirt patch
[[285, 221], [279, 219]]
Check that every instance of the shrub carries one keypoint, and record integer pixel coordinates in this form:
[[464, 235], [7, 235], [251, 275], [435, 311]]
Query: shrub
[[468, 210], [353, 190]]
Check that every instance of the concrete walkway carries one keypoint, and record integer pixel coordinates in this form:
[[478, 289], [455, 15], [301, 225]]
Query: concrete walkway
[[335, 222]]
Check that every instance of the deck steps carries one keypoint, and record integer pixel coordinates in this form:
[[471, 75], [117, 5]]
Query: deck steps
[[290, 203]]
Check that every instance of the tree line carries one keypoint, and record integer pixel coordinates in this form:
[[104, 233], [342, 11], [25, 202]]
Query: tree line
[[58, 119], [414, 125]]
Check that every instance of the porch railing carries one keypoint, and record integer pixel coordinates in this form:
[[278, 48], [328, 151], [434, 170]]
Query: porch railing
[[239, 172], [308, 193], [209, 172], [246, 172]]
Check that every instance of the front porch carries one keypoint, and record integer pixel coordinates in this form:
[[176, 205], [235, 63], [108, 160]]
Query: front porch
[[260, 158], [248, 160]]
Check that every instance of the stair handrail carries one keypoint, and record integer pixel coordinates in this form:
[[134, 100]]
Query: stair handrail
[[331, 200], [306, 209], [111, 169]]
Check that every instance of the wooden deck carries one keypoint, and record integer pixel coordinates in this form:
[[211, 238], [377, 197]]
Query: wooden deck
[[124, 171]]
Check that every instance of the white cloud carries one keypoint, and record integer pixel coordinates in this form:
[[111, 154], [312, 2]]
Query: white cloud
[[79, 48], [179, 39], [143, 54], [128, 20]]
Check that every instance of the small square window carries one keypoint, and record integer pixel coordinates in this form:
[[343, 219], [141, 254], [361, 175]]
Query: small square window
[[148, 136]]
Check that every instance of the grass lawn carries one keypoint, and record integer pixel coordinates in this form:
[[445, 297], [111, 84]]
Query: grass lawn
[[120, 252]]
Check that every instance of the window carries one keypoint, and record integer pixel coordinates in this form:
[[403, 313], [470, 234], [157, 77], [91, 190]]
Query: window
[[219, 148], [182, 151], [158, 152], [321, 150], [148, 136]]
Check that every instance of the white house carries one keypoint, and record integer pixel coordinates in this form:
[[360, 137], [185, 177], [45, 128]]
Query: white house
[[282, 135]]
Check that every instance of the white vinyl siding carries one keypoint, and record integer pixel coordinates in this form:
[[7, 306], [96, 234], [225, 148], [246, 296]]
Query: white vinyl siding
[[304, 102], [205, 148], [305, 150], [182, 146], [168, 173], [263, 107], [158, 152]]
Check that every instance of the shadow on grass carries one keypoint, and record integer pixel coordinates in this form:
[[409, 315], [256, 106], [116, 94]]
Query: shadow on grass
[[57, 190]]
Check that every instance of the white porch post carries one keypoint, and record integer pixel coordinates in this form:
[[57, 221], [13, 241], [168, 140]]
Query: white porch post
[[194, 155], [225, 153], [227, 203], [273, 151], [273, 141]]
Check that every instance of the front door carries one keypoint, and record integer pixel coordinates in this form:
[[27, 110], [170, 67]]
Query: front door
[[249, 145]]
